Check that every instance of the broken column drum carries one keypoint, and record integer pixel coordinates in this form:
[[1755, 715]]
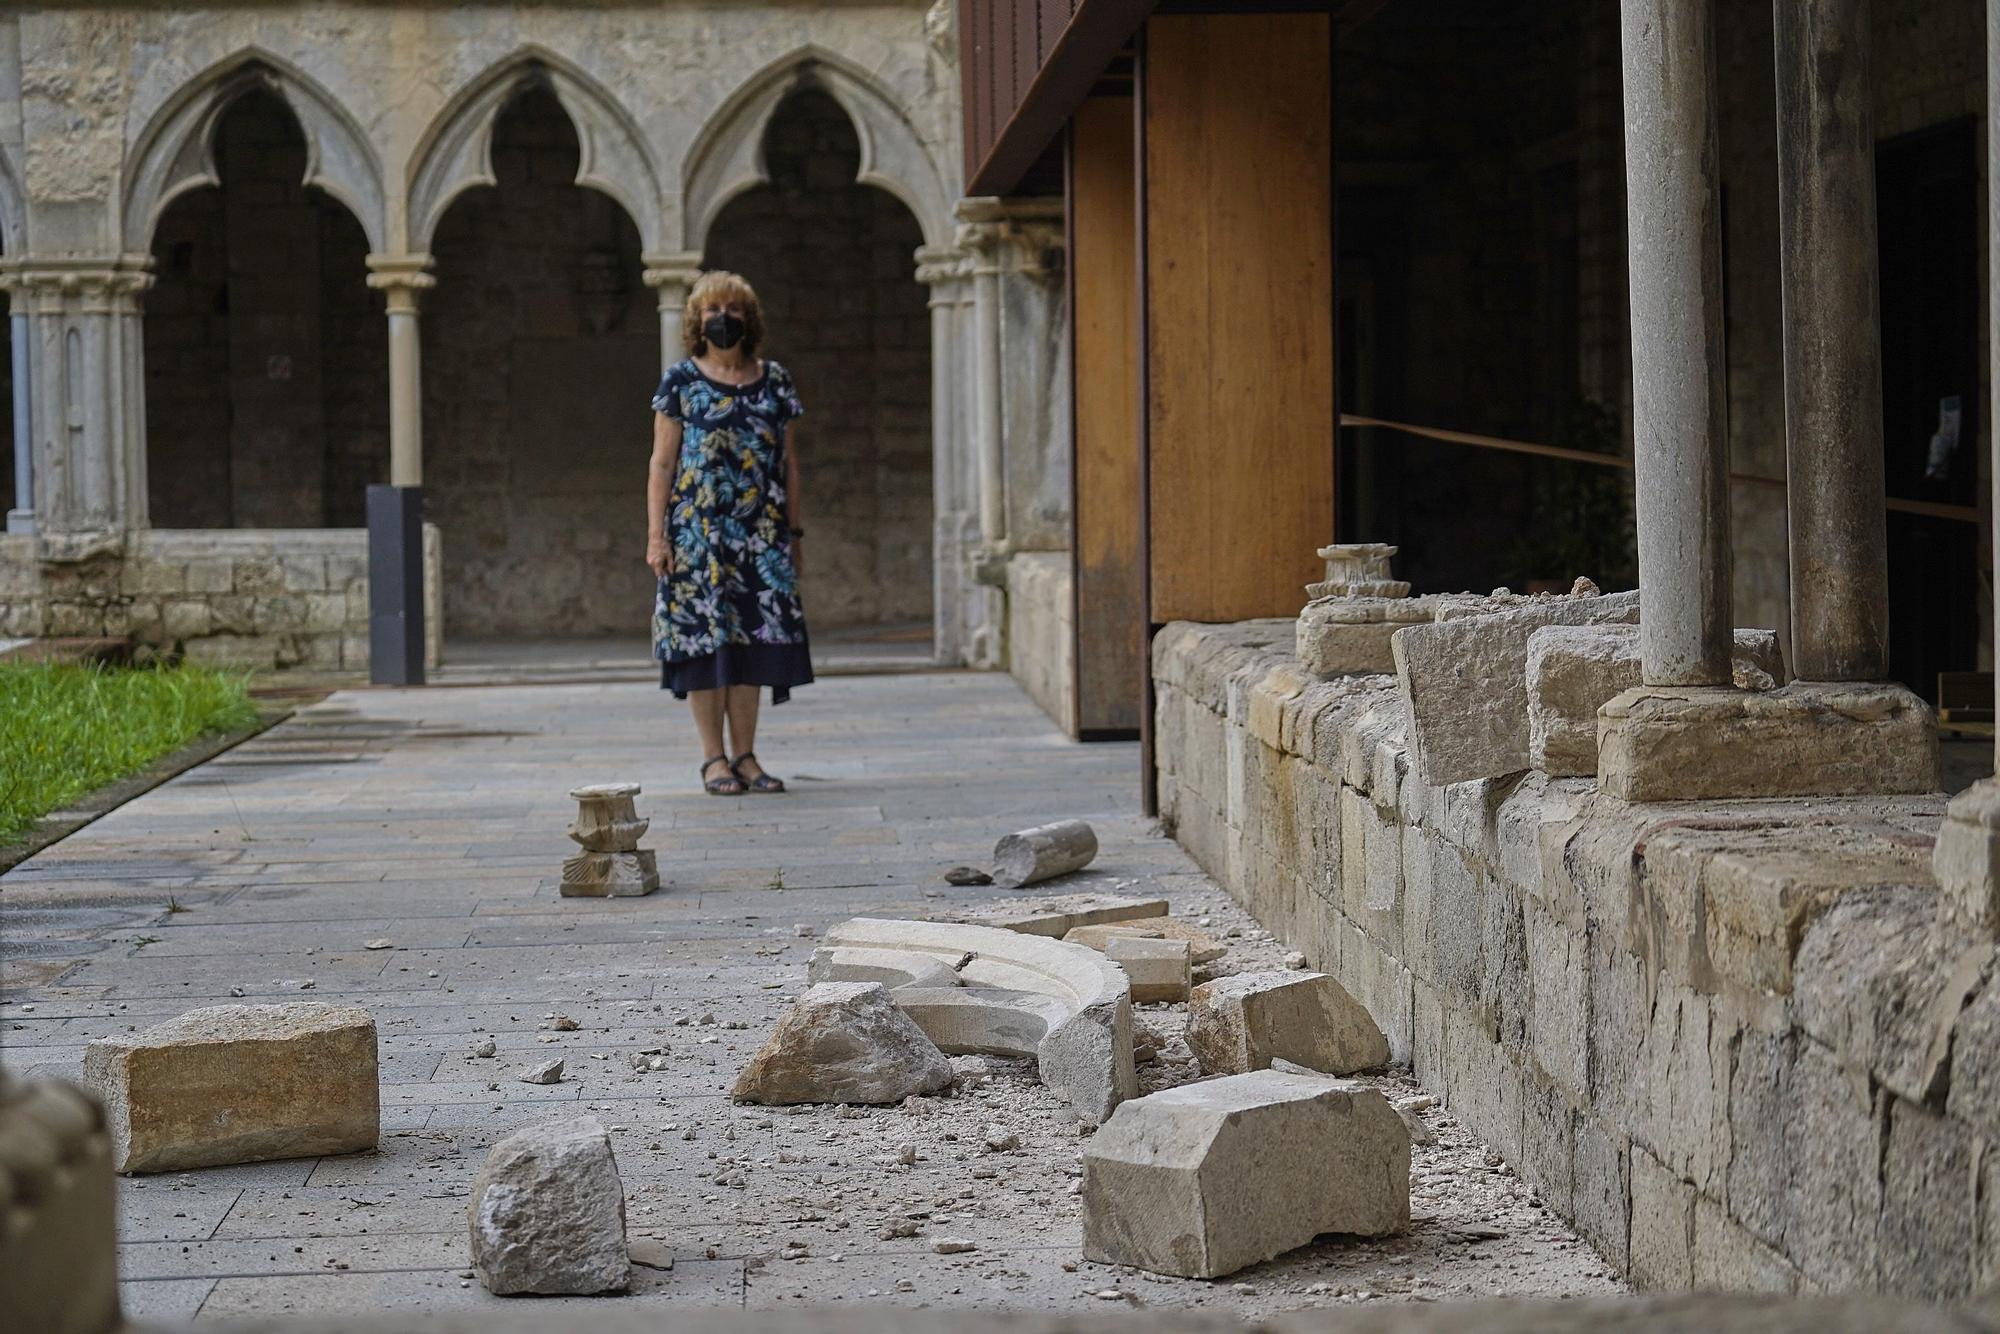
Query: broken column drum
[[612, 864], [1041, 853]]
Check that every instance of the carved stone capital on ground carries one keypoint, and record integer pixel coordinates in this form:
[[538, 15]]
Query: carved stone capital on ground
[[1809, 739], [1966, 862]]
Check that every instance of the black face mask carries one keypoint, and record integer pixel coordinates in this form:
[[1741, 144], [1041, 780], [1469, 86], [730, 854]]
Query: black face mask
[[723, 331]]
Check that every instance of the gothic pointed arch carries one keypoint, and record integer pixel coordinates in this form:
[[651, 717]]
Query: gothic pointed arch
[[728, 159], [176, 151], [456, 152]]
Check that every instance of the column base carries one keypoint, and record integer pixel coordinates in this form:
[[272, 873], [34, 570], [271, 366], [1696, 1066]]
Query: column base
[[20, 521], [1809, 739], [1966, 861]]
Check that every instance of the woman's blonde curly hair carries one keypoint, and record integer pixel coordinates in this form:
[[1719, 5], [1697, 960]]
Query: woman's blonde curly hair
[[719, 288]]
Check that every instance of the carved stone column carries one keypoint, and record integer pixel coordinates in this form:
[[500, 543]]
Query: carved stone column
[[20, 518], [981, 233], [86, 389], [402, 278], [947, 272], [672, 276]]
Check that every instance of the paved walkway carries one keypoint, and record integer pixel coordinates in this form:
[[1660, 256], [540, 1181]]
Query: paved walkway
[[435, 820]]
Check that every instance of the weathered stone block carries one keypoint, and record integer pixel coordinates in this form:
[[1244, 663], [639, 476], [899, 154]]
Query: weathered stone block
[[1208, 1178], [1662, 1225], [1833, 1139], [239, 1084], [1202, 948], [1242, 1022], [1603, 1195], [1966, 861], [602, 875], [1573, 670], [1805, 740], [548, 1212], [1727, 1257], [1929, 1231], [1464, 684], [843, 1042], [1160, 970]]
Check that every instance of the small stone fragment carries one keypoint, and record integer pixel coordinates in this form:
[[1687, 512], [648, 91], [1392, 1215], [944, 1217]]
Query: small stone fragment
[[844, 1042], [1202, 948], [651, 1254], [953, 1246], [239, 1084], [967, 875], [487, 1047], [999, 1139], [379, 945], [1295, 959], [907, 1155], [1159, 969], [564, 1024], [896, 1228], [547, 1213], [1243, 1022], [548, 1072]]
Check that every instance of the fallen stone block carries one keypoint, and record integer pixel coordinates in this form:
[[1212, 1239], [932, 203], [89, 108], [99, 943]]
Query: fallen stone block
[[843, 1042], [239, 1084], [610, 875], [1465, 683], [1206, 1179], [548, 1212], [1044, 852], [1202, 948], [58, 1225], [1343, 636], [1574, 670], [1247, 1021], [1159, 969], [1809, 739], [1060, 915]]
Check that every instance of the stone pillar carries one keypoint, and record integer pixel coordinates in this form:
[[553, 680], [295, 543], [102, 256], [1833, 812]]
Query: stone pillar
[[672, 276], [401, 278], [1681, 443], [1686, 734], [79, 319], [981, 232], [1833, 362], [21, 518], [1966, 859], [945, 271]]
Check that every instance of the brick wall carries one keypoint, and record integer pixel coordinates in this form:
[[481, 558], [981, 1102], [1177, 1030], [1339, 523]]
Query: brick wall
[[833, 264], [1725, 1040]]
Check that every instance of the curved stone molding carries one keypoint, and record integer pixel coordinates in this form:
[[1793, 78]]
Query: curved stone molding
[[892, 968], [456, 153], [1067, 1005], [176, 152], [728, 155]]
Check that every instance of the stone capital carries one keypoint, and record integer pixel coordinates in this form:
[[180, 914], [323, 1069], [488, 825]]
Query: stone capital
[[938, 265], [1010, 235], [78, 284], [677, 268], [401, 278]]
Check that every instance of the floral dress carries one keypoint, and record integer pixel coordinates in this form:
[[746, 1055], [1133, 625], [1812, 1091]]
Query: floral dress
[[727, 612]]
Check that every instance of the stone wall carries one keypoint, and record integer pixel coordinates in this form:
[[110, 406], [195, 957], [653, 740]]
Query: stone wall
[[1723, 1038], [1041, 632], [240, 598]]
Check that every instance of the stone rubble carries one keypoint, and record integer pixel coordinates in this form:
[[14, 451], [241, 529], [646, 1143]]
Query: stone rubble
[[1202, 948], [1031, 856], [547, 1213], [546, 1072], [612, 864], [239, 1084], [1059, 915], [1251, 1020], [844, 1042], [1160, 969], [1209, 1178]]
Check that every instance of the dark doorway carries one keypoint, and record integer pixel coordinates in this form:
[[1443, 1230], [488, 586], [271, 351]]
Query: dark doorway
[[1927, 203], [266, 354]]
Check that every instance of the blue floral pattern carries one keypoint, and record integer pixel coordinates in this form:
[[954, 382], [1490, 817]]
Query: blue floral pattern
[[733, 581]]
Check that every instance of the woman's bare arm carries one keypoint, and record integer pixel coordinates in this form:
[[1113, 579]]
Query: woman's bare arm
[[659, 486]]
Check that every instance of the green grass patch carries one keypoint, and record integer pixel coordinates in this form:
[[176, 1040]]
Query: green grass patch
[[67, 730]]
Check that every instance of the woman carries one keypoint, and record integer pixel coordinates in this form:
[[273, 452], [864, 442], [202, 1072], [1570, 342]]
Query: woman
[[722, 511]]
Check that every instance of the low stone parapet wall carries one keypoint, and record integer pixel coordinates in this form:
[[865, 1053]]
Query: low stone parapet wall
[[1724, 1038], [1041, 634], [260, 598]]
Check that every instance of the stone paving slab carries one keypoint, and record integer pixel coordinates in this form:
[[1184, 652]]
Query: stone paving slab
[[436, 819]]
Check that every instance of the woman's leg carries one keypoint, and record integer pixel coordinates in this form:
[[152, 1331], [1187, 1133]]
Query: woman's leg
[[708, 711], [743, 702]]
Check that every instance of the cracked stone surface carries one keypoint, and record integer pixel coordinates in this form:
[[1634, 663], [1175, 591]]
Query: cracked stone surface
[[435, 820]]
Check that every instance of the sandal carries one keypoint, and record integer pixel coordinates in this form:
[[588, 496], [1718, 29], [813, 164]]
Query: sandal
[[727, 784], [762, 784]]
